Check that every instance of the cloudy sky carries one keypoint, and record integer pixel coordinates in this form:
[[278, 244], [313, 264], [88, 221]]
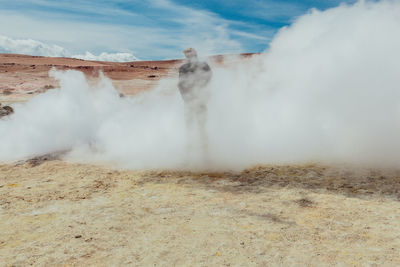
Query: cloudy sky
[[124, 30]]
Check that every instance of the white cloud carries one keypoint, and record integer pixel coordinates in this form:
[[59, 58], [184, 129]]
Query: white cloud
[[177, 27], [77, 6], [251, 35], [37, 48], [115, 57], [30, 47], [205, 30]]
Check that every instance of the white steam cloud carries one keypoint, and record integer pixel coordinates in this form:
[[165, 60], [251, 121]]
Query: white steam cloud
[[327, 90], [37, 48]]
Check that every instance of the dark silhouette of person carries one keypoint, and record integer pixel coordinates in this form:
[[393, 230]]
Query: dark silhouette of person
[[194, 76]]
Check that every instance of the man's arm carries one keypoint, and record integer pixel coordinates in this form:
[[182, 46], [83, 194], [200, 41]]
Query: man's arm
[[206, 73], [205, 67]]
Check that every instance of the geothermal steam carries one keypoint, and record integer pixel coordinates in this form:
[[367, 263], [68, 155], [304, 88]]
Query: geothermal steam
[[327, 90]]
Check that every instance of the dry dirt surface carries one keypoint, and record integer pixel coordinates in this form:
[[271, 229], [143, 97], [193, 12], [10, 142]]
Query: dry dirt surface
[[55, 213], [22, 76]]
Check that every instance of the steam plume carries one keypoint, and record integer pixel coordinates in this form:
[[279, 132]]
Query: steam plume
[[328, 89]]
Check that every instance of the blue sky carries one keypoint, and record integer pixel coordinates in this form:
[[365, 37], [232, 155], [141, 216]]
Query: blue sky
[[156, 29]]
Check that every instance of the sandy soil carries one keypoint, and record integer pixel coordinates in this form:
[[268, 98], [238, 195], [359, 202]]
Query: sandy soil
[[64, 214], [55, 213]]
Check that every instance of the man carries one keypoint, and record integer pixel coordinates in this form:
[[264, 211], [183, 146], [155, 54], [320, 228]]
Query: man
[[194, 77]]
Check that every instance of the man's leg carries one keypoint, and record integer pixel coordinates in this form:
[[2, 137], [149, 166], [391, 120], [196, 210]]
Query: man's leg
[[202, 125], [190, 131]]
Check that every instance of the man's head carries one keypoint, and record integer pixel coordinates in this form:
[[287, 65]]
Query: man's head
[[190, 53]]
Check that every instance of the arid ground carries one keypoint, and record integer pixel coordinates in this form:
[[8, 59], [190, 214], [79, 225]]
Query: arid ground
[[22, 77], [57, 213]]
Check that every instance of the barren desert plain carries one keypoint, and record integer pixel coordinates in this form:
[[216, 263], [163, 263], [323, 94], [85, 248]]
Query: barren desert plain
[[57, 213]]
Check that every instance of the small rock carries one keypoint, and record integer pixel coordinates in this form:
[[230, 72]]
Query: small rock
[[48, 86], [78, 236], [305, 202], [5, 110], [7, 92]]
